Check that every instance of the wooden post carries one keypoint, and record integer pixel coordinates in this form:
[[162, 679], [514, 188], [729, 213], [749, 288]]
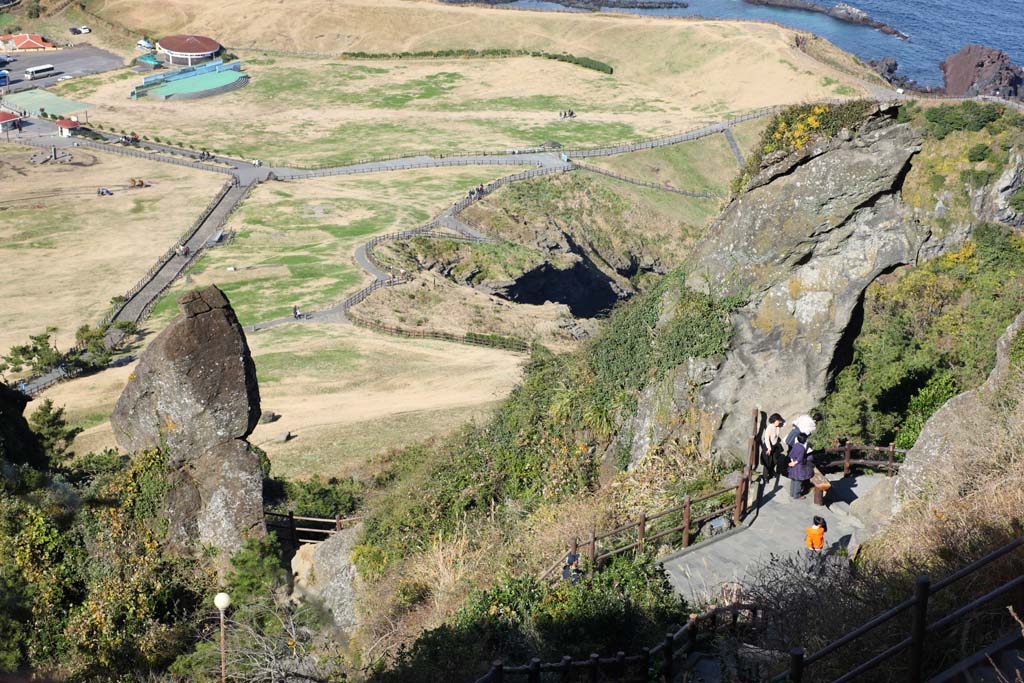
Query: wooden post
[[734, 618], [686, 521], [796, 665], [595, 667], [566, 669], [892, 458], [593, 549], [574, 547], [691, 634], [534, 675], [497, 671], [668, 658], [641, 532], [741, 497], [620, 665], [919, 623], [752, 453], [337, 521], [645, 664], [847, 448], [294, 530]]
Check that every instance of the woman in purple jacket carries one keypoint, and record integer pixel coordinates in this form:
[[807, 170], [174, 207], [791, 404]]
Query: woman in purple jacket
[[801, 467]]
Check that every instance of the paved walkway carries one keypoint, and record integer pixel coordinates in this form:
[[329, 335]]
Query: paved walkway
[[776, 527]]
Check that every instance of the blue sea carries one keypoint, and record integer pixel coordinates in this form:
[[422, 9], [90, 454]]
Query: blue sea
[[937, 28]]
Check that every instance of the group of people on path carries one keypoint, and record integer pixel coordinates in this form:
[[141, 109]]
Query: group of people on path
[[790, 456], [568, 114]]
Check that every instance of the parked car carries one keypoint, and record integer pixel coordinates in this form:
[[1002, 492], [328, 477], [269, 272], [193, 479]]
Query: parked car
[[4, 59], [144, 44], [85, 29], [65, 77], [74, 31]]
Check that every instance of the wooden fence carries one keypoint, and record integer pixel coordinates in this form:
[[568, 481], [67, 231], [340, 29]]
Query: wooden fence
[[662, 662], [917, 639], [313, 529], [494, 341], [678, 522]]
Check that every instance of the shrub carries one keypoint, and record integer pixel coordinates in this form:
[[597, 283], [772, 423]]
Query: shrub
[[979, 152], [1017, 200], [970, 116], [315, 497]]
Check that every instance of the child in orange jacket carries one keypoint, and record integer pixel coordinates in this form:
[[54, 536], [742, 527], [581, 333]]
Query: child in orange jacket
[[816, 535]]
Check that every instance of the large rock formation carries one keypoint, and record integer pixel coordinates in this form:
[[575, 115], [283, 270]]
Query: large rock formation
[[992, 203], [979, 70], [18, 445], [943, 456], [195, 393], [808, 235]]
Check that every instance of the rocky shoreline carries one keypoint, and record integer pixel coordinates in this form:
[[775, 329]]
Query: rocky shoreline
[[841, 11], [974, 71]]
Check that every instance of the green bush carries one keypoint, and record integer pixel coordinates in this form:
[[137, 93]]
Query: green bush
[[970, 116], [975, 178], [979, 152], [315, 497], [927, 335], [1017, 200]]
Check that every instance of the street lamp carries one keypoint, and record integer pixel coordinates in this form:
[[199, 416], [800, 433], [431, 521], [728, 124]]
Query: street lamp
[[222, 601]]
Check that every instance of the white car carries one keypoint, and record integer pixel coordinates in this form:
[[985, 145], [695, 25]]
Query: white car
[[65, 77], [85, 29]]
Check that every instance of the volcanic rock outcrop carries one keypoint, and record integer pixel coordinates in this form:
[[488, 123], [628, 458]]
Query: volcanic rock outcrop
[[941, 459], [18, 445], [978, 70], [808, 235], [194, 392]]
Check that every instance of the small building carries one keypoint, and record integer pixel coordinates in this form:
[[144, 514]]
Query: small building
[[187, 50], [25, 41], [8, 121], [66, 126]]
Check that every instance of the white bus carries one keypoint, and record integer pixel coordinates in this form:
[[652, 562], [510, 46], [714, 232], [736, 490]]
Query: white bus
[[40, 71]]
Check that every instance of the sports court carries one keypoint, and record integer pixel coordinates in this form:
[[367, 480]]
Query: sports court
[[196, 84], [34, 101]]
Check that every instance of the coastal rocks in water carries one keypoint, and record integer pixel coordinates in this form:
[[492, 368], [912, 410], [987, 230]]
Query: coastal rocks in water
[[804, 240], [324, 572], [841, 11], [194, 393], [591, 5], [978, 70], [941, 459], [887, 68]]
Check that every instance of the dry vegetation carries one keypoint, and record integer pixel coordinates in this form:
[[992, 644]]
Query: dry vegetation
[[669, 75], [63, 245]]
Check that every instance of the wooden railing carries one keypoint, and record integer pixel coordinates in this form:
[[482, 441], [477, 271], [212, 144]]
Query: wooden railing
[[660, 662], [917, 639], [680, 519], [313, 529]]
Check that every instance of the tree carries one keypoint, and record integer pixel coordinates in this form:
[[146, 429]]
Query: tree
[[53, 432], [39, 354]]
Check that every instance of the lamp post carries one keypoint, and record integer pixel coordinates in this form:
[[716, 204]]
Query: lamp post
[[222, 601]]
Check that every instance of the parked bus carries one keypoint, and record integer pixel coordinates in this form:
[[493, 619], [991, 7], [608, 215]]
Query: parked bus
[[41, 71]]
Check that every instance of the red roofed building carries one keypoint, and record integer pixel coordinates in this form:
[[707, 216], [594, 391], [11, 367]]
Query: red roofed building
[[25, 41], [8, 121], [65, 126], [187, 49]]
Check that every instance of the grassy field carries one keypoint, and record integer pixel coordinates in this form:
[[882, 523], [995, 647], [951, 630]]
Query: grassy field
[[66, 251], [669, 75], [295, 240], [705, 165], [345, 394]]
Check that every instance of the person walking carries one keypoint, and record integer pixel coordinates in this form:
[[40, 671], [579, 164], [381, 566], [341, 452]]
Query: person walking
[[801, 467], [816, 535], [571, 568], [771, 445]]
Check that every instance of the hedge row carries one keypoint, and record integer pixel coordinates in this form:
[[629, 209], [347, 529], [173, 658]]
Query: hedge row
[[585, 62]]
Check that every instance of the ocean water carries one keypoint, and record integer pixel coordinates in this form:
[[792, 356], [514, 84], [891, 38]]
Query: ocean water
[[937, 28]]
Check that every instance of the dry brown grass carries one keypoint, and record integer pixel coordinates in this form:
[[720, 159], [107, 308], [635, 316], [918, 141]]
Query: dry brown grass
[[66, 251]]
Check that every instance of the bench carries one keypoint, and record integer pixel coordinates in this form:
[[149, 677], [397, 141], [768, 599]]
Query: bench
[[820, 484]]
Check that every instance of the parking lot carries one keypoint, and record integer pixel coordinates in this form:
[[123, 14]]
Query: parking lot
[[74, 61]]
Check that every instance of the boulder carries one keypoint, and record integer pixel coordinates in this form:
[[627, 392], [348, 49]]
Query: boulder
[[804, 240], [194, 393], [979, 70], [18, 444], [937, 461], [324, 572]]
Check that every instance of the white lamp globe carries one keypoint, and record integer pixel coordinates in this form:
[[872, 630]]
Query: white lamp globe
[[222, 601]]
